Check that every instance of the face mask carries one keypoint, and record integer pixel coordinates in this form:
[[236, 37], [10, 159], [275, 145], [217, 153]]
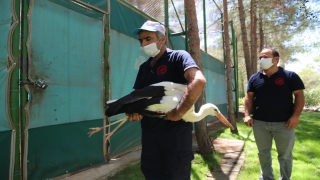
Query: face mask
[[151, 49], [266, 63]]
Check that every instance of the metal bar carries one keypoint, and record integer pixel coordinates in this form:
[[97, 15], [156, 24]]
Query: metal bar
[[13, 98], [166, 21], [176, 14], [237, 76], [24, 103], [178, 34], [217, 5], [205, 26], [222, 31], [88, 6], [235, 69], [106, 73]]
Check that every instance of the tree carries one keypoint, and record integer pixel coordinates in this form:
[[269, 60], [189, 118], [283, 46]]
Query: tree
[[228, 66], [261, 33], [203, 139], [253, 36], [245, 44]]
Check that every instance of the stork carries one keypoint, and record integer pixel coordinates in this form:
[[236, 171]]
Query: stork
[[155, 101]]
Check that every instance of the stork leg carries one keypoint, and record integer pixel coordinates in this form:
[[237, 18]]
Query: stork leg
[[115, 129], [97, 129]]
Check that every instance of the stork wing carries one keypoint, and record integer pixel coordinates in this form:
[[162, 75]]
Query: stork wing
[[122, 104]]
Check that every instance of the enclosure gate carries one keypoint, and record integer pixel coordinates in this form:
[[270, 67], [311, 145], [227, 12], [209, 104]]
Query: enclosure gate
[[62, 82], [59, 61]]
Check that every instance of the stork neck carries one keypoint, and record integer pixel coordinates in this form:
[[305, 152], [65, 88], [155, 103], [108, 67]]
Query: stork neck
[[203, 112]]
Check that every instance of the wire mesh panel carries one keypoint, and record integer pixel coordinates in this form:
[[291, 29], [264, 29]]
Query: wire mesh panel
[[213, 29], [153, 8], [176, 15], [208, 15]]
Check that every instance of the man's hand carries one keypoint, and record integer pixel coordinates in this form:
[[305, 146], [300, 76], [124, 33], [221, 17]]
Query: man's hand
[[248, 121], [134, 117], [173, 115], [293, 122]]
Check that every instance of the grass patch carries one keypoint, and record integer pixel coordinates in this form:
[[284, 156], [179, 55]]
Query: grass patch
[[203, 164], [306, 154], [129, 173]]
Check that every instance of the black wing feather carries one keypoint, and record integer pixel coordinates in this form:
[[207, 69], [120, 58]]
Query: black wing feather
[[136, 101]]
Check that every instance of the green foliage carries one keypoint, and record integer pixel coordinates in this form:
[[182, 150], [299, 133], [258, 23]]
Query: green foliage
[[241, 101], [312, 97], [310, 77]]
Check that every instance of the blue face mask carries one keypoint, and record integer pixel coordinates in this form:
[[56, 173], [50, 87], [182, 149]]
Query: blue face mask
[[266, 63]]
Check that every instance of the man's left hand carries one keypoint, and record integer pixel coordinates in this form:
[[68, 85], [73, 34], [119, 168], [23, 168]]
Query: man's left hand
[[293, 122]]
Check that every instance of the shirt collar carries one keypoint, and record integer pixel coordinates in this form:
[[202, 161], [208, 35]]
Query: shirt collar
[[164, 55], [280, 69]]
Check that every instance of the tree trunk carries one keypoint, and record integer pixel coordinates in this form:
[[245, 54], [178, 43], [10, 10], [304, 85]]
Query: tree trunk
[[228, 67], [244, 38], [255, 43], [253, 36], [261, 33], [203, 139]]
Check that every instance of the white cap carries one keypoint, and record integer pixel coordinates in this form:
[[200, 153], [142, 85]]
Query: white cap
[[151, 26]]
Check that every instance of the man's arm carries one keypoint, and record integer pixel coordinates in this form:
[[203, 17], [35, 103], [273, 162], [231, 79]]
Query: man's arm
[[248, 101], [293, 121], [196, 84]]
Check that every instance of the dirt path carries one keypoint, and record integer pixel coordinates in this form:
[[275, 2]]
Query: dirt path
[[233, 155]]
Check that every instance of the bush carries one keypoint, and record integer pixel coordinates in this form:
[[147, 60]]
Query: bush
[[312, 97]]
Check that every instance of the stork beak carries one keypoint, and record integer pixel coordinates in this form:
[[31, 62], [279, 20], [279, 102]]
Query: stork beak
[[224, 120]]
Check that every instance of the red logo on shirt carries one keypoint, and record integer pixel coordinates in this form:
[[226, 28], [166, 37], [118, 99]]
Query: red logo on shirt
[[162, 69], [279, 81]]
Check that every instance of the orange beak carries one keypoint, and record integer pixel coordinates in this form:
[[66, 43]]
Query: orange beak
[[224, 121]]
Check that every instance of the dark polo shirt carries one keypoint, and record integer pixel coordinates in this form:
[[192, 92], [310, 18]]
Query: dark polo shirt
[[169, 67], [273, 98]]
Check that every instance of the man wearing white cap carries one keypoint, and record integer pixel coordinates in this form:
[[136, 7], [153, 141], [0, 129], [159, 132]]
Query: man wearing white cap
[[166, 143]]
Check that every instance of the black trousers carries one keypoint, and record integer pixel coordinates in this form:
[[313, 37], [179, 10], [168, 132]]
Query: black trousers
[[167, 155]]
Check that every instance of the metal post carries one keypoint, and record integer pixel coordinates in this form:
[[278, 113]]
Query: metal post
[[237, 75], [166, 16], [235, 68], [106, 71], [23, 73], [205, 26], [14, 94], [222, 29]]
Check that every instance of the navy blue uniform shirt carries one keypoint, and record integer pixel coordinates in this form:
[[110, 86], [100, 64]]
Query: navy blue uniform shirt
[[171, 66], [273, 96]]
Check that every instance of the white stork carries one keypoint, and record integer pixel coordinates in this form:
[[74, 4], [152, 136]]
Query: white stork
[[155, 101]]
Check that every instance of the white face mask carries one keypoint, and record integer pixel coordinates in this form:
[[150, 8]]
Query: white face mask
[[151, 49], [266, 63]]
